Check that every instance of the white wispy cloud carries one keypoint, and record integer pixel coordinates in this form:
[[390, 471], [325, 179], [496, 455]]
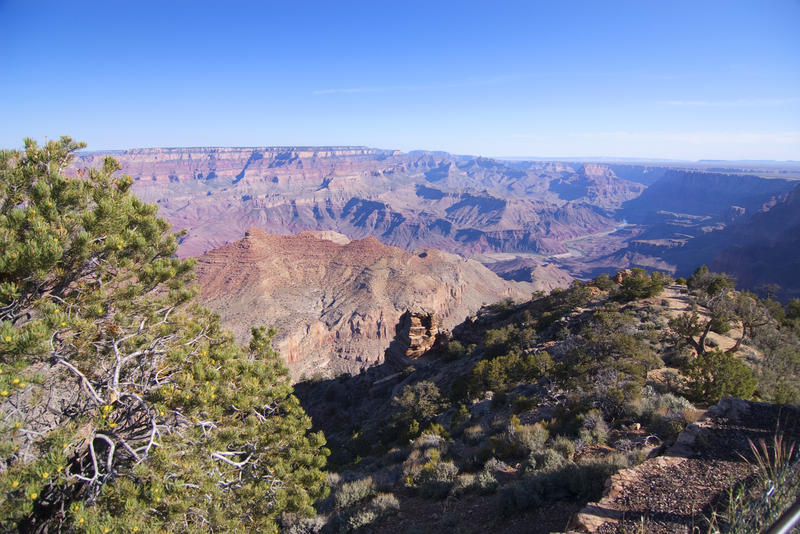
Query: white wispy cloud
[[421, 87], [739, 102]]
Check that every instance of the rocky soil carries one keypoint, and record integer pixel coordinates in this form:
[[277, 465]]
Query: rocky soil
[[678, 492]]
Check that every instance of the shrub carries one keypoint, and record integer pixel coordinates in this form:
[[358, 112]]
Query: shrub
[[382, 505], [293, 524], [461, 417], [531, 438], [351, 493], [485, 482], [564, 446], [420, 401], [473, 434], [603, 281], [547, 459], [436, 482], [594, 429], [437, 430], [720, 325], [640, 286], [523, 404], [500, 373], [464, 483], [715, 375], [454, 350], [780, 378]]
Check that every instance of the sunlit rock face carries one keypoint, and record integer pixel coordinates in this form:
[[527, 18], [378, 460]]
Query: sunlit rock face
[[338, 304], [460, 204]]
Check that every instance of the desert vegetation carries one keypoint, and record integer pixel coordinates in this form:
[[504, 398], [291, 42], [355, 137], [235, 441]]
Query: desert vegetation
[[535, 403], [125, 407]]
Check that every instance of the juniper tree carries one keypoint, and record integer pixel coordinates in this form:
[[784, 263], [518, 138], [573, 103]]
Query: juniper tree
[[125, 406]]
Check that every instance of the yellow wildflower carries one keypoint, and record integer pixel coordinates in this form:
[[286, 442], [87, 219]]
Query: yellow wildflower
[[15, 483]]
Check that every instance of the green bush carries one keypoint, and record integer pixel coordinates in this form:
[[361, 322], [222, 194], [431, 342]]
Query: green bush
[[454, 350], [564, 446], [500, 373], [715, 374], [640, 286], [485, 482], [420, 402], [604, 282], [593, 428]]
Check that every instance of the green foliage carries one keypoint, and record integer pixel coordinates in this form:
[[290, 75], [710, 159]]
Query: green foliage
[[780, 375], [559, 303], [593, 428], [793, 309], [640, 285], [716, 374], [562, 481], [141, 414], [454, 350], [604, 282], [709, 283], [610, 364], [504, 371], [419, 402], [524, 404]]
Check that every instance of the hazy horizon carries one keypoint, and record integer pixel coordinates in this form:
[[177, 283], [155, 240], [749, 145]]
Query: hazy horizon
[[683, 81]]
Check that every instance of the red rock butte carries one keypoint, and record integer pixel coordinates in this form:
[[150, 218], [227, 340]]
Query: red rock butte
[[337, 303]]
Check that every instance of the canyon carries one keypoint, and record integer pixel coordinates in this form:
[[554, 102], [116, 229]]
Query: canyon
[[339, 305], [356, 279]]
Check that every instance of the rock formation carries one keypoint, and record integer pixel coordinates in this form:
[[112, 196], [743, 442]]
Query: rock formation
[[554, 213], [460, 204], [337, 304]]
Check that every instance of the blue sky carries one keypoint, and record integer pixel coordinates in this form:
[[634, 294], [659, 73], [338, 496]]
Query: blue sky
[[671, 79]]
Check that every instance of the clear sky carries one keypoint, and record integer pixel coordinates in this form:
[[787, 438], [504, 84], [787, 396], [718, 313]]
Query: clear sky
[[655, 79]]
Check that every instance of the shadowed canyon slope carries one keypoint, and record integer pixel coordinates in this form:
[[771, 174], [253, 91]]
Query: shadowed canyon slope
[[337, 304]]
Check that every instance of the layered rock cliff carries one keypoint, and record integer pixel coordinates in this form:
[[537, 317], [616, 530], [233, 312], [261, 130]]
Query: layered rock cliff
[[421, 199], [337, 305]]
